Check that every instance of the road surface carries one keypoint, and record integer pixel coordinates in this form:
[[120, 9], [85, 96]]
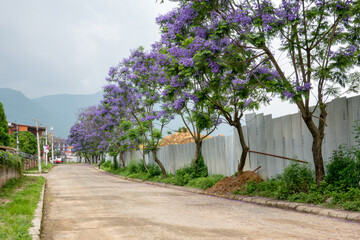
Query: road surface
[[83, 203]]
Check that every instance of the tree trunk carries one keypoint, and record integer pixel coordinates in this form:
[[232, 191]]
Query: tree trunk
[[318, 160], [122, 163], [115, 163], [143, 160], [317, 134], [197, 151], [245, 149], [163, 171]]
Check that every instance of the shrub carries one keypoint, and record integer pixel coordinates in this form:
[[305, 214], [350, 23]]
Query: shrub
[[132, 167], [343, 171], [154, 170], [205, 182], [186, 174], [106, 164], [11, 160], [200, 170], [114, 165], [297, 178]]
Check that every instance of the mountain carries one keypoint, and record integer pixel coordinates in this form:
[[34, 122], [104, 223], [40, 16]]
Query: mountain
[[58, 111]]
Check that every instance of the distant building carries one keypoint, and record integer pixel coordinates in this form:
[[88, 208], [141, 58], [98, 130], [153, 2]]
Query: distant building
[[70, 155], [13, 127]]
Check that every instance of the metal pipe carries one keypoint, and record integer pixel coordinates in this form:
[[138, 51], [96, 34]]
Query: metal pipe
[[272, 155]]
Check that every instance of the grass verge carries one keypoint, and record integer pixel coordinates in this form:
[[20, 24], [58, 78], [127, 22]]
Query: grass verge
[[44, 168], [19, 198], [297, 184], [183, 177]]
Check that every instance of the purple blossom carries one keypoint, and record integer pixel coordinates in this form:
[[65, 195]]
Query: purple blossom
[[179, 103], [187, 62], [247, 102], [288, 94]]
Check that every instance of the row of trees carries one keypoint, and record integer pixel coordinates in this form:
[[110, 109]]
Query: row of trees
[[218, 59], [27, 141]]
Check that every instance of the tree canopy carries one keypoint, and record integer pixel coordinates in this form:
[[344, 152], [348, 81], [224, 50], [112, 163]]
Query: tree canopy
[[4, 129]]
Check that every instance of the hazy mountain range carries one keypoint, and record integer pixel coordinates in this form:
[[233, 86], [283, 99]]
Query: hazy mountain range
[[60, 111]]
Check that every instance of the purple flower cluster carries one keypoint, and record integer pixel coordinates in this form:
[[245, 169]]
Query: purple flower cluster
[[305, 87]]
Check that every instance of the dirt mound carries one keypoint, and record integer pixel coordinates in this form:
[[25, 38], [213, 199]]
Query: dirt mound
[[229, 184], [178, 138]]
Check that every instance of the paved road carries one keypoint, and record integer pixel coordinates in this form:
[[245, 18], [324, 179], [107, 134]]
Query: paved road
[[82, 203]]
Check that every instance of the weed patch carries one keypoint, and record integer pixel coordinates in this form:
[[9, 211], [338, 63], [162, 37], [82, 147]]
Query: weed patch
[[17, 213], [191, 176]]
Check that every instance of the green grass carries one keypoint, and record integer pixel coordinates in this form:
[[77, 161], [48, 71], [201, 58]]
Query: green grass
[[297, 184], [21, 197], [44, 168], [182, 177]]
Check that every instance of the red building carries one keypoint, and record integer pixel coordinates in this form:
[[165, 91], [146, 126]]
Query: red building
[[13, 127]]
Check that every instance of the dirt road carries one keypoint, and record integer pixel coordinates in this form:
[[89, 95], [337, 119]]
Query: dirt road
[[82, 203]]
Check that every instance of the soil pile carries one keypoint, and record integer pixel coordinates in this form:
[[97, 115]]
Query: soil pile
[[178, 138], [230, 184]]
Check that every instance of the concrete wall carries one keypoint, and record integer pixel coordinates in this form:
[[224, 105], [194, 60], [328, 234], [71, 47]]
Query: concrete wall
[[7, 173], [286, 136], [29, 163]]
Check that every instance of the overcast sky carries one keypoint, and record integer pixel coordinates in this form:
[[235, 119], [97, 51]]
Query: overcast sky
[[54, 47]]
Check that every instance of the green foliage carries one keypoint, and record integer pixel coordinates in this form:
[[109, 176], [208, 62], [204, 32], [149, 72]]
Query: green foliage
[[343, 171], [4, 130], [44, 168], [16, 215], [297, 184], [186, 176], [11, 160], [106, 164], [205, 182], [114, 165], [27, 142], [200, 169], [181, 130], [297, 178]]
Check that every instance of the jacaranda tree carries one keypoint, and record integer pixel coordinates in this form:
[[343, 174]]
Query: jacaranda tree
[[319, 40], [86, 135], [213, 69], [135, 87]]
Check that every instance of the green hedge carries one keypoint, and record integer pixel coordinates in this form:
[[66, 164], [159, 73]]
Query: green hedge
[[11, 160]]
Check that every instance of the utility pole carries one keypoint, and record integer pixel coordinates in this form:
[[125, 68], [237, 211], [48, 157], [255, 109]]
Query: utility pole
[[38, 144], [46, 151], [17, 137], [52, 144]]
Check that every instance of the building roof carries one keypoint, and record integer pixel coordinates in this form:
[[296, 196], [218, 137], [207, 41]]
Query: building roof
[[11, 124]]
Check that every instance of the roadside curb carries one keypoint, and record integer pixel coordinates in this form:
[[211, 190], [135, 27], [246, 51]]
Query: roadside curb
[[34, 230], [269, 202]]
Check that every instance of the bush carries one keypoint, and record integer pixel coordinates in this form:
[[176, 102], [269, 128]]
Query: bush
[[297, 178], [205, 182], [106, 164], [154, 170], [200, 170], [343, 171], [11, 160], [186, 174]]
